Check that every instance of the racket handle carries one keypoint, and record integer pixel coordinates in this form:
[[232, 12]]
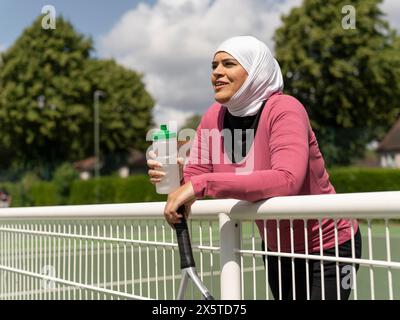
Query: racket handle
[[185, 247]]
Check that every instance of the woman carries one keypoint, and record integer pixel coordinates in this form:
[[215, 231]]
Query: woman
[[284, 160]]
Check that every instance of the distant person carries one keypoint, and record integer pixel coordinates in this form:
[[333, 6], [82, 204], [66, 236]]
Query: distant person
[[285, 158], [5, 199]]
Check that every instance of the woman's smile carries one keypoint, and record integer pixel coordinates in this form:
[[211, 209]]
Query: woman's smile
[[219, 85]]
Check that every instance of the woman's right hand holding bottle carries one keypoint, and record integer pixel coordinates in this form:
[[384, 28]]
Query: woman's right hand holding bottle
[[156, 173]]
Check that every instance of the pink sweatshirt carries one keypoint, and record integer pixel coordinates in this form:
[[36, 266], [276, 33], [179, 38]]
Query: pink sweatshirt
[[284, 160]]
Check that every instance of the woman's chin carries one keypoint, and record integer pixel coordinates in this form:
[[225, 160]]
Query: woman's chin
[[220, 99]]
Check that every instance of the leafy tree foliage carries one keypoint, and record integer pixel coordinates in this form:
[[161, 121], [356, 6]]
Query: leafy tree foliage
[[349, 79], [47, 84]]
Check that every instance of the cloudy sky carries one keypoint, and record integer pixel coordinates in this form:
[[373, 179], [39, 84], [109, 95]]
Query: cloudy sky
[[170, 41]]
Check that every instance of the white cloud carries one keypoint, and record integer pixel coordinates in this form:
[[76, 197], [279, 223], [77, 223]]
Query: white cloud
[[392, 9], [172, 43]]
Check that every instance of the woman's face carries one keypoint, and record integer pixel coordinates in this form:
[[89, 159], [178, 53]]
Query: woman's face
[[227, 76]]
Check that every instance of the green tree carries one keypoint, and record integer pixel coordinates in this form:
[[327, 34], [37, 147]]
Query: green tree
[[47, 82], [348, 79], [125, 111]]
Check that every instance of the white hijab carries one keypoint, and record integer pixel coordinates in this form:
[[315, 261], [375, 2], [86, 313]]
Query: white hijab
[[264, 74]]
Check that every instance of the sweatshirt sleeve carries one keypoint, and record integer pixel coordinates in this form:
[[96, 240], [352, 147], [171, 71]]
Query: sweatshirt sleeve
[[199, 161], [288, 126]]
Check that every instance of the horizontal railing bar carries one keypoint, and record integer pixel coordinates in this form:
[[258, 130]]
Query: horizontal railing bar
[[377, 263], [85, 237], [115, 283], [366, 205], [76, 285], [105, 239]]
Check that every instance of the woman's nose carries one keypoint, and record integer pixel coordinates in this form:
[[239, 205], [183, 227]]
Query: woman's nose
[[218, 70]]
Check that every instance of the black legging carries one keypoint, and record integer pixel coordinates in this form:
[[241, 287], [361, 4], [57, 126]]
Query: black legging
[[345, 272]]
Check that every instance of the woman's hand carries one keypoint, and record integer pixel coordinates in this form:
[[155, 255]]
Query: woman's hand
[[155, 172], [184, 195]]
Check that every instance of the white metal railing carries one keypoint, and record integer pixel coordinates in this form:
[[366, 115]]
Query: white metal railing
[[127, 251]]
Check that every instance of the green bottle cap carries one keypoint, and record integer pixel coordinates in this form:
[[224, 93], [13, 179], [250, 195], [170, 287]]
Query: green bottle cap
[[163, 133]]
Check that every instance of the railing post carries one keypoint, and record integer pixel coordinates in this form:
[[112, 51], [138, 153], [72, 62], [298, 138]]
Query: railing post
[[230, 259]]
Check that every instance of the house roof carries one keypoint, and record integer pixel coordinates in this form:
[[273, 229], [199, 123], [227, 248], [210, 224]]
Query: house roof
[[85, 164], [391, 142], [135, 158]]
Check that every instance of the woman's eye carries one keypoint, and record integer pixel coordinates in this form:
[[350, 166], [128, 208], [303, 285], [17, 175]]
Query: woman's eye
[[225, 64], [229, 64]]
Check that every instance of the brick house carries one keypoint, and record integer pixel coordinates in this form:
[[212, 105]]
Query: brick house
[[389, 148]]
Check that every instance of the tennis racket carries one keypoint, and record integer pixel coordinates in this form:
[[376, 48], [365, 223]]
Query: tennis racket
[[188, 266]]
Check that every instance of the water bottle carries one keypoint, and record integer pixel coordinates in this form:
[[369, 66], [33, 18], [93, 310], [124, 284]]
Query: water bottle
[[165, 147]]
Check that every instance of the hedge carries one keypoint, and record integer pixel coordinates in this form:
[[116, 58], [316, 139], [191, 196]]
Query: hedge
[[114, 190], [139, 189], [40, 193], [349, 180]]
